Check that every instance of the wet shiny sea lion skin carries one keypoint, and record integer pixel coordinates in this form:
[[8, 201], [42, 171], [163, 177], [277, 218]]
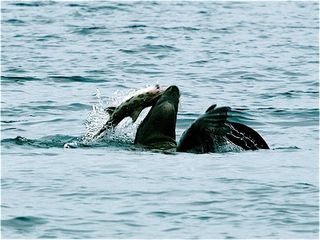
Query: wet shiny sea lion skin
[[157, 131], [213, 132]]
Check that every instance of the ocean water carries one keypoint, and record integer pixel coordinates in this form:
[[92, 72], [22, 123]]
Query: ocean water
[[63, 61]]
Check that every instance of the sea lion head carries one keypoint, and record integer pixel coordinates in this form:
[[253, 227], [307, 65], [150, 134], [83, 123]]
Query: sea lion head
[[171, 95], [158, 128]]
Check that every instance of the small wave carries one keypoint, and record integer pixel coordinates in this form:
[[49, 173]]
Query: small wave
[[11, 121], [45, 142], [181, 28], [243, 115], [126, 213], [37, 106], [297, 114], [172, 229], [297, 93], [109, 7], [200, 62], [69, 79], [49, 37], [152, 48], [151, 37], [89, 30], [16, 70], [33, 3], [300, 187], [136, 26], [158, 48], [224, 30], [76, 5], [128, 51], [16, 22], [163, 214], [23, 222], [252, 76], [68, 231], [74, 107], [204, 218], [208, 202], [295, 74], [5, 79], [290, 148], [66, 141]]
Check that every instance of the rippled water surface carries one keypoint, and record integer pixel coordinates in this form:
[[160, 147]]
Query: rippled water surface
[[260, 58]]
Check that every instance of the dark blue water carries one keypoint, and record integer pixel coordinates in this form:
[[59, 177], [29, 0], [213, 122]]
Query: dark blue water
[[260, 58]]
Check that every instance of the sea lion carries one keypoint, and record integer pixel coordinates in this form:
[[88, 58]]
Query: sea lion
[[213, 132], [157, 130], [131, 107]]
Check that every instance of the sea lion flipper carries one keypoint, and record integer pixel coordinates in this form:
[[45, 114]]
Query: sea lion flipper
[[246, 137], [212, 107], [213, 131], [202, 133]]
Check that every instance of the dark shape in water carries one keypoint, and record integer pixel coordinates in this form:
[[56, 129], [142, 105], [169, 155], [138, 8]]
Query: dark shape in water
[[23, 222], [211, 132]]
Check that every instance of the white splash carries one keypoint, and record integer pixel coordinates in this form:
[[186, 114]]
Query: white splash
[[126, 129]]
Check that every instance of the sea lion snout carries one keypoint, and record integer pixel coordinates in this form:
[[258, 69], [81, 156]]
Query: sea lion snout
[[173, 91]]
